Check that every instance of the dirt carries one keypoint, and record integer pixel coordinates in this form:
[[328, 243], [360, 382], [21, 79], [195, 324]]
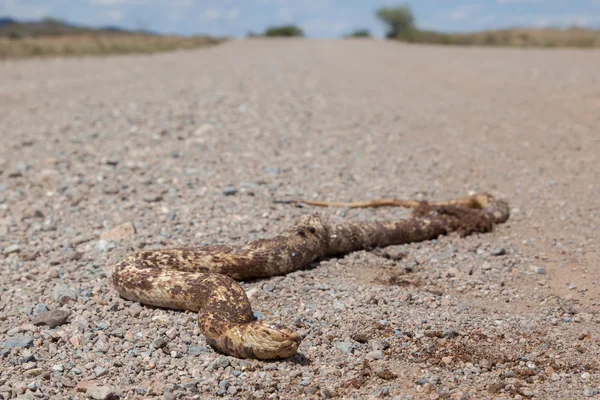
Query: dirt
[[100, 157]]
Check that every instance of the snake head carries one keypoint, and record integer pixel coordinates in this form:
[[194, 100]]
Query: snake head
[[266, 341]]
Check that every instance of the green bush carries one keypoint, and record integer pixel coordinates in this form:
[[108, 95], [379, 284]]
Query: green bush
[[284, 30], [399, 20], [359, 33]]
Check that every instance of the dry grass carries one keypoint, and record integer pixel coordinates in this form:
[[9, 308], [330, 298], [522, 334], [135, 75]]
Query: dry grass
[[517, 37], [97, 44]]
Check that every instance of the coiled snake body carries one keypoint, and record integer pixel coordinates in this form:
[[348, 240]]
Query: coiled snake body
[[203, 279]]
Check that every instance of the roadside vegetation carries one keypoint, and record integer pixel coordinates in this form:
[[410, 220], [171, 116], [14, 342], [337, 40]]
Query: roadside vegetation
[[400, 24], [51, 37]]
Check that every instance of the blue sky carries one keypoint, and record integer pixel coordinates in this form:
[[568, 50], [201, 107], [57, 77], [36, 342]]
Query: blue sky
[[318, 18]]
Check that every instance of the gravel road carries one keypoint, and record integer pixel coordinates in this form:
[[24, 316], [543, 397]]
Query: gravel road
[[100, 157]]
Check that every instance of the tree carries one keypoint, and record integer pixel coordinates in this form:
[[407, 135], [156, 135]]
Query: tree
[[359, 33], [399, 20], [284, 30]]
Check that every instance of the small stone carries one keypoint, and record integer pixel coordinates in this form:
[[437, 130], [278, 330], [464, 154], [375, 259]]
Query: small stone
[[229, 191], [259, 315], [385, 374], [190, 384], [232, 390], [375, 355], [498, 251], [51, 318], [32, 386], [58, 368], [586, 376], [447, 360], [152, 197], [555, 377], [63, 294], [100, 371], [495, 387], [21, 341], [171, 333], [83, 386], [360, 337], [13, 248], [384, 392], [589, 391], [485, 364], [30, 373], [197, 350], [538, 269], [221, 362], [345, 347], [120, 232], [99, 392], [40, 308], [267, 287], [224, 384], [135, 310], [527, 392]]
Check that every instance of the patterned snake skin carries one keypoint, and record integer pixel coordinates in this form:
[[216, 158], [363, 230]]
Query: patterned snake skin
[[202, 279]]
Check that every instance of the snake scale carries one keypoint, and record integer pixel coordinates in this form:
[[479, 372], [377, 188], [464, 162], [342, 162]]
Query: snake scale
[[203, 279]]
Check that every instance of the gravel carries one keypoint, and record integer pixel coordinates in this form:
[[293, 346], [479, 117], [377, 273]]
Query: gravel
[[104, 156]]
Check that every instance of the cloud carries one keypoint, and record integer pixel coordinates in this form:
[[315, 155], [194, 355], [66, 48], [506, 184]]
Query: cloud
[[464, 11], [211, 13]]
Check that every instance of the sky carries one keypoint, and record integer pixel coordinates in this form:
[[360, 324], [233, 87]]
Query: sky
[[318, 18]]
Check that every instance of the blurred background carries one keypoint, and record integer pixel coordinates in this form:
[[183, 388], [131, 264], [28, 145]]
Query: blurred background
[[107, 26]]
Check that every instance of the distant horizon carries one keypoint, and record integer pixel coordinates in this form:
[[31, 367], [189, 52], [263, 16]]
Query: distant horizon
[[318, 19]]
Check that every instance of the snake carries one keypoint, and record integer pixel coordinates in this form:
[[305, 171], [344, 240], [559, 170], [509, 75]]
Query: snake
[[205, 279]]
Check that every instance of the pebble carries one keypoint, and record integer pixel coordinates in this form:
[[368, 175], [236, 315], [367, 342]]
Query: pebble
[[40, 308], [224, 384], [586, 376], [152, 197], [538, 269], [172, 333], [19, 341], [13, 248], [267, 287], [100, 392], [229, 191], [221, 362], [134, 310], [52, 318], [345, 347], [120, 232], [375, 355], [500, 251], [63, 294], [197, 350]]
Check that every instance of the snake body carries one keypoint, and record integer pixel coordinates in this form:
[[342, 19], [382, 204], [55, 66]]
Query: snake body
[[204, 279]]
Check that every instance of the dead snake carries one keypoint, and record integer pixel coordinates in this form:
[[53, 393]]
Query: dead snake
[[202, 279]]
